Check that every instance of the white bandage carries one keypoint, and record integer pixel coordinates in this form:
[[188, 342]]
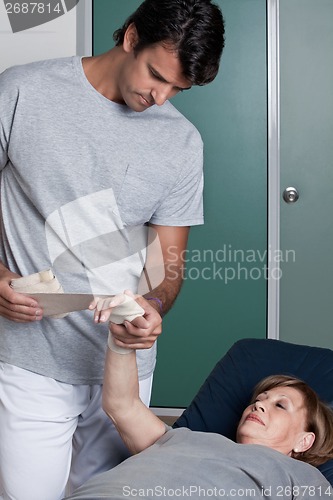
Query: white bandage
[[127, 309], [41, 282], [116, 348]]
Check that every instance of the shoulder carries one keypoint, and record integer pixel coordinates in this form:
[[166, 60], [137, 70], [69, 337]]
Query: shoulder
[[181, 121], [28, 74], [175, 126], [287, 468]]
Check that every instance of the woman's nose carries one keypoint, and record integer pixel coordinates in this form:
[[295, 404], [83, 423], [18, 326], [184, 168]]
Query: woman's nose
[[259, 406]]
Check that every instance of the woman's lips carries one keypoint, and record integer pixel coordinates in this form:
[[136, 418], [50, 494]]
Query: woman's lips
[[254, 418]]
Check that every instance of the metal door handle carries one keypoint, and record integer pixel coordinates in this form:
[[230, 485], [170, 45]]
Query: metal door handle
[[290, 195]]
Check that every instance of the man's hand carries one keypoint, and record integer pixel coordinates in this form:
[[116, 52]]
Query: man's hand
[[16, 306], [141, 333]]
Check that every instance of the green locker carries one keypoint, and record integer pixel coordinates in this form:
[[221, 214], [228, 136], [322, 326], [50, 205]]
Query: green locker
[[225, 289]]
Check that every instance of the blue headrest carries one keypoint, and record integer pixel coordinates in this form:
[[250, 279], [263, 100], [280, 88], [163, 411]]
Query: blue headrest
[[222, 398]]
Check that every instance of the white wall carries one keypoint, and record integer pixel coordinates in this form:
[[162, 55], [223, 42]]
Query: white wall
[[65, 36]]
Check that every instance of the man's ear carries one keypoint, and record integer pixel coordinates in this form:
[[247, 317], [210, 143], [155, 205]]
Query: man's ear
[[131, 38], [305, 442]]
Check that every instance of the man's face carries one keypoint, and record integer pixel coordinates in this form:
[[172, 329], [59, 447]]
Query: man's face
[[151, 77], [277, 419]]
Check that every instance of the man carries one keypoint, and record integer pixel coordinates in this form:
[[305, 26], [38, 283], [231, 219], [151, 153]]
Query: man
[[91, 152]]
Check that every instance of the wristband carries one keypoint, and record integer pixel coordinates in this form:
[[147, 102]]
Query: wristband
[[115, 348], [160, 303]]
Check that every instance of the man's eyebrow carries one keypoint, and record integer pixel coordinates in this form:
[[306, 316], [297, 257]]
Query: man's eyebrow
[[160, 77]]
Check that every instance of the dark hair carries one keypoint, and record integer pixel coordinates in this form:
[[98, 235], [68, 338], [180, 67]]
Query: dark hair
[[319, 417], [194, 28]]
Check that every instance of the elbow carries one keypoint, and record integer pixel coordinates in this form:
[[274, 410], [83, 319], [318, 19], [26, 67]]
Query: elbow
[[115, 408], [109, 406]]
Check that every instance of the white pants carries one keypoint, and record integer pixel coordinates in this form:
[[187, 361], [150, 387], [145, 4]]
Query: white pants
[[53, 434]]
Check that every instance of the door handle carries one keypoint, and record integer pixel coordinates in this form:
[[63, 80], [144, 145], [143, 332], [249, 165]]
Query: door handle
[[290, 195]]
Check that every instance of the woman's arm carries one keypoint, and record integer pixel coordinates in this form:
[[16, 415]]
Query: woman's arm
[[137, 425]]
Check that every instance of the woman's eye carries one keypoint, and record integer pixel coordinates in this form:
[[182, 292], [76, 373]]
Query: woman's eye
[[280, 405]]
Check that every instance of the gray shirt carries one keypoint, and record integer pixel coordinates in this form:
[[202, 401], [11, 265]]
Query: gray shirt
[[189, 464], [80, 176]]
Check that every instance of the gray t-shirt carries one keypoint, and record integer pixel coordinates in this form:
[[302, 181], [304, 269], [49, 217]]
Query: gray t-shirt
[[188, 464], [80, 178]]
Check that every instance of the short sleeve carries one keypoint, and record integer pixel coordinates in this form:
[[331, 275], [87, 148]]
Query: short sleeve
[[183, 205]]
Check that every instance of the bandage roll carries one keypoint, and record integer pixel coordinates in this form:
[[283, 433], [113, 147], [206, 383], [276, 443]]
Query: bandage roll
[[41, 282]]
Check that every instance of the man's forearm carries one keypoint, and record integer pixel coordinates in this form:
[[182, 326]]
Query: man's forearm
[[162, 276], [3, 269], [167, 291], [5, 273]]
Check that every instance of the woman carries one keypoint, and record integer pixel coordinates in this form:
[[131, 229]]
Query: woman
[[290, 418], [284, 421]]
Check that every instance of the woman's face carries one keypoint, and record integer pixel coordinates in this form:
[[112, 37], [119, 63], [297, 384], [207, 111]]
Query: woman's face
[[276, 419]]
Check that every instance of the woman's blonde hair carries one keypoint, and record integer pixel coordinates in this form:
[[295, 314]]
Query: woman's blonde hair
[[319, 417]]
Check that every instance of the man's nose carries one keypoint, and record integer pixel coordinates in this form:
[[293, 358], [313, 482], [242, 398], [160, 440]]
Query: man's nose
[[161, 94]]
